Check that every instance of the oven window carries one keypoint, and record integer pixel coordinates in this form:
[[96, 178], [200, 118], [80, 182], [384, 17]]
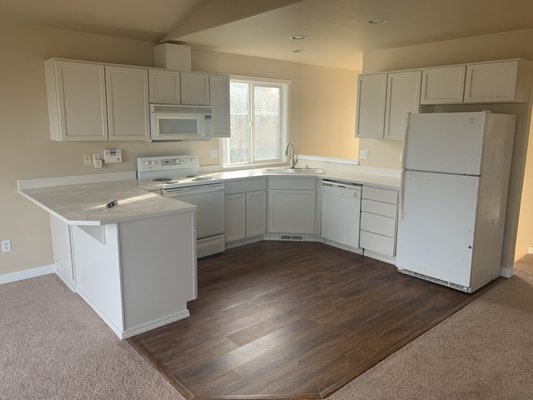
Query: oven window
[[171, 126]]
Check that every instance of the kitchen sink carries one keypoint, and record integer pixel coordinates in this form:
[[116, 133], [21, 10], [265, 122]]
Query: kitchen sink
[[287, 170]]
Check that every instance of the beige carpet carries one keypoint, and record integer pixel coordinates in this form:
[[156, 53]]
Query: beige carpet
[[52, 346]]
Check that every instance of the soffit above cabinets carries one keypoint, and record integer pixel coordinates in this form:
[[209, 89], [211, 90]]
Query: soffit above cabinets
[[337, 30]]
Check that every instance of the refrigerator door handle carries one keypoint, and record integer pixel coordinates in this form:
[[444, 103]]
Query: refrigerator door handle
[[402, 190], [404, 145], [404, 158]]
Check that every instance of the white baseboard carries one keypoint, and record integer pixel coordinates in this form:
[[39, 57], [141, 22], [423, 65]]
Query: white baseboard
[[27, 273], [155, 324], [507, 272]]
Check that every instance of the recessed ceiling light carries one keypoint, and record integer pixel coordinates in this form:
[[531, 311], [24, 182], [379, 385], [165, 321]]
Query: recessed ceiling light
[[377, 21], [298, 51], [298, 37]]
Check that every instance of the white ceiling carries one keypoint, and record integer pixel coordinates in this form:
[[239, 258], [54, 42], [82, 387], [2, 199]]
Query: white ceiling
[[337, 29]]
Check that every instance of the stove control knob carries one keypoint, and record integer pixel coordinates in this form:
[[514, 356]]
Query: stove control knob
[[178, 161]]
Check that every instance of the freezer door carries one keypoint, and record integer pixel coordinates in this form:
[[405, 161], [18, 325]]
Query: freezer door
[[445, 142], [436, 234]]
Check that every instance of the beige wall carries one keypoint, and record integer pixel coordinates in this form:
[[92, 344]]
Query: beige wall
[[26, 151], [479, 48], [524, 241]]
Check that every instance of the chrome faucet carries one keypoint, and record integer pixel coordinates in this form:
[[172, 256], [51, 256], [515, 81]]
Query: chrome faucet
[[293, 159]]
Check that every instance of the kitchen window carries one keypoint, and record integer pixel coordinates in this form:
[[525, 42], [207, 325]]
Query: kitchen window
[[258, 118]]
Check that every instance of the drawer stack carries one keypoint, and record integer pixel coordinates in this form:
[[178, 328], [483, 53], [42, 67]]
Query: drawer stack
[[379, 210]]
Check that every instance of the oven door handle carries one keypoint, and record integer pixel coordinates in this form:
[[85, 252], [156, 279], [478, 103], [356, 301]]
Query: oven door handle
[[193, 190]]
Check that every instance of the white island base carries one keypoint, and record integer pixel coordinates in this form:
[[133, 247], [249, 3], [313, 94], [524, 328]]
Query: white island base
[[134, 263], [137, 275]]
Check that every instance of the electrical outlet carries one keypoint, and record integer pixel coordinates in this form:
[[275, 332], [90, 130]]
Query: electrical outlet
[[6, 246], [87, 159], [363, 154], [213, 154]]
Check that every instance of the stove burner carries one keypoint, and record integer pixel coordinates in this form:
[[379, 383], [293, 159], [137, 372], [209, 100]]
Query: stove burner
[[162, 179]]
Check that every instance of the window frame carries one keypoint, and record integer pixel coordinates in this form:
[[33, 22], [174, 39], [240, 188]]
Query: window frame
[[252, 81]]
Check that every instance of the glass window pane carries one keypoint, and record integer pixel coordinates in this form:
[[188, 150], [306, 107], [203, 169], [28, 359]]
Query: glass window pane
[[239, 144], [267, 123]]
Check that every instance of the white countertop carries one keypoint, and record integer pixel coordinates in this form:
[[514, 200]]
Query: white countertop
[[365, 176], [84, 204]]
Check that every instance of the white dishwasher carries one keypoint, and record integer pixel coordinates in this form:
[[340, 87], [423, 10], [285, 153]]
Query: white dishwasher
[[341, 212]]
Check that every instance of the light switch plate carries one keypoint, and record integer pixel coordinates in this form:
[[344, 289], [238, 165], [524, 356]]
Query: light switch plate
[[87, 159], [6, 246]]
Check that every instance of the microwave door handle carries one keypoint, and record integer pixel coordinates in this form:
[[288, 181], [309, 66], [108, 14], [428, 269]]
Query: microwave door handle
[[195, 190]]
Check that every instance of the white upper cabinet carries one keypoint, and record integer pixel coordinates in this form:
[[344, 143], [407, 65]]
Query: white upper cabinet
[[403, 97], [219, 100], [127, 103], [76, 101], [195, 88], [443, 85], [384, 100], [498, 82], [371, 99], [165, 86]]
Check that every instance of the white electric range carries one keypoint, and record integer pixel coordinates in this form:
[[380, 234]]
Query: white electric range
[[177, 177]]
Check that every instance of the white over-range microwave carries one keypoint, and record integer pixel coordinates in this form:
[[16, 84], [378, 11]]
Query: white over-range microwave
[[174, 122]]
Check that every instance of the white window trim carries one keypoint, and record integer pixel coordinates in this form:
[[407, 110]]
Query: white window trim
[[285, 114]]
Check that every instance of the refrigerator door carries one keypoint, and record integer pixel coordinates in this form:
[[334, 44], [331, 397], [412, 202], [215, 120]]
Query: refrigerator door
[[436, 234], [445, 142]]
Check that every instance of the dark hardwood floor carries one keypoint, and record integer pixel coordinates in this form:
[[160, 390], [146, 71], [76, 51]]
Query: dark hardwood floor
[[292, 320]]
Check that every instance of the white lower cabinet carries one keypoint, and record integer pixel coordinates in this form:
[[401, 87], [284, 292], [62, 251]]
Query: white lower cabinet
[[235, 217], [256, 213], [245, 209], [292, 205], [379, 209], [63, 253], [134, 282]]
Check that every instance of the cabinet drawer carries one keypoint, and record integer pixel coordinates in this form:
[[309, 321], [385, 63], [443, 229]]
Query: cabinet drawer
[[384, 195], [378, 224], [379, 244], [246, 185], [380, 208], [291, 183]]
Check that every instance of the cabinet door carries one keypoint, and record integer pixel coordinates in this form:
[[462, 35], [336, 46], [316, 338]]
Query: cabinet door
[[291, 211], [255, 213], [127, 103], [445, 85], [219, 100], [165, 87], [235, 217], [62, 246], [403, 97], [493, 82], [76, 101], [371, 98], [195, 88]]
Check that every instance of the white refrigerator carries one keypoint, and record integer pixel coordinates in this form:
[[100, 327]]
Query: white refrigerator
[[453, 197]]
